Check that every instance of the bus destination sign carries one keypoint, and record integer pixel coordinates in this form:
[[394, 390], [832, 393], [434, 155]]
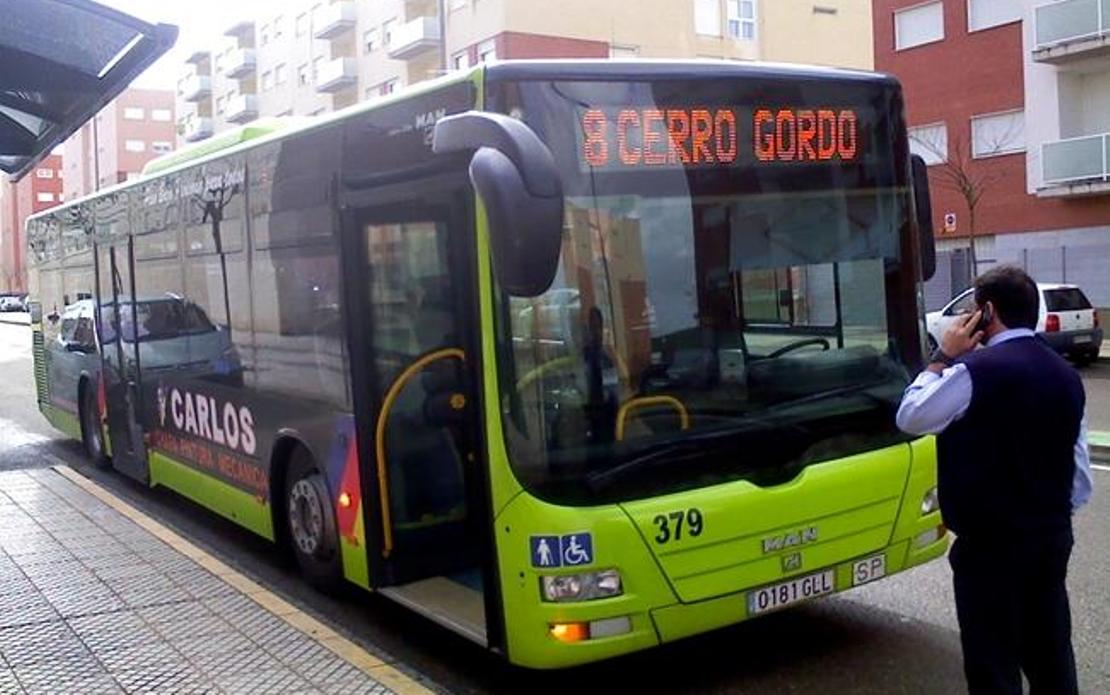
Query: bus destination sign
[[634, 138]]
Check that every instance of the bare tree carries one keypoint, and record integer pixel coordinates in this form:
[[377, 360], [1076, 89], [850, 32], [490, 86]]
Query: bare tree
[[961, 172]]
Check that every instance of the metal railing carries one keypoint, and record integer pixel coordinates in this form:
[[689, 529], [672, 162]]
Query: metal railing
[[1063, 22], [1076, 160]]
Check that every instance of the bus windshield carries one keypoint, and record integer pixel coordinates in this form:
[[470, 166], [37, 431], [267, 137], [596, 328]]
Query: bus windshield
[[734, 318]]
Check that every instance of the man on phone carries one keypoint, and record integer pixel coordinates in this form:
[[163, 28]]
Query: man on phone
[[1013, 466]]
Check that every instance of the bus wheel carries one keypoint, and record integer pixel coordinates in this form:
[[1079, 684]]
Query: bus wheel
[[311, 523], [92, 437]]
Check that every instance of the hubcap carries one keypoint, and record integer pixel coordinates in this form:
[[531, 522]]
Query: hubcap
[[306, 517]]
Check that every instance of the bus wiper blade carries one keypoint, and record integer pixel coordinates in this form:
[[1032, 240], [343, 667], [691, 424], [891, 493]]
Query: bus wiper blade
[[689, 446]]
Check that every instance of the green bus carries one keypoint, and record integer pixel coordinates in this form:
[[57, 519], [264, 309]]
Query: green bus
[[574, 358]]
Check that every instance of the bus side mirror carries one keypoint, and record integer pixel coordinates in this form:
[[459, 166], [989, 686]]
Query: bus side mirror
[[924, 207], [515, 176]]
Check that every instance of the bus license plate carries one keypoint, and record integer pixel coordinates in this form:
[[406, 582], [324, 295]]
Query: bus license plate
[[776, 596]]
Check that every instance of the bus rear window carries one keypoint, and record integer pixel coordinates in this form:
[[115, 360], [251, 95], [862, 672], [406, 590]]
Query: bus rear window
[[1069, 299]]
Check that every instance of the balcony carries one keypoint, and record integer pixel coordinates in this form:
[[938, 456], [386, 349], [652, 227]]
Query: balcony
[[1072, 29], [239, 63], [196, 87], [336, 75], [413, 38], [1075, 167], [197, 129], [332, 21], [242, 108]]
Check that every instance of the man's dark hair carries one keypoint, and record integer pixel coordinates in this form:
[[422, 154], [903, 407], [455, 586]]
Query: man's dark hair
[[1012, 293]]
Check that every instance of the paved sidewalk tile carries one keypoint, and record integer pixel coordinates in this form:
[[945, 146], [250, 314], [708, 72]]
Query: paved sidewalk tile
[[90, 602]]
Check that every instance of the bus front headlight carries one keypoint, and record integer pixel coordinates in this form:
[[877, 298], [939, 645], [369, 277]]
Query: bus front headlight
[[930, 503], [581, 587]]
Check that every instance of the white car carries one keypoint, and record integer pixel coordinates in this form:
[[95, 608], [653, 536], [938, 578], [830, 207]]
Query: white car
[[11, 303], [1067, 321]]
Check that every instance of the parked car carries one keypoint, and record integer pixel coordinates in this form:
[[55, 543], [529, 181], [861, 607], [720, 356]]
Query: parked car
[[1067, 321], [10, 303]]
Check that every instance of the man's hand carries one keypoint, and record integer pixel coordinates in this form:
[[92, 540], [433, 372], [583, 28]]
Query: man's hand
[[962, 336]]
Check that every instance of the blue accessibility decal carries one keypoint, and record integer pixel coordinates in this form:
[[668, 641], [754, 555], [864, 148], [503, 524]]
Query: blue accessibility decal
[[546, 551], [578, 549]]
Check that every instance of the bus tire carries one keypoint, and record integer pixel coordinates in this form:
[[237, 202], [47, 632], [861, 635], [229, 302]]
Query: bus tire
[[92, 436], [310, 523]]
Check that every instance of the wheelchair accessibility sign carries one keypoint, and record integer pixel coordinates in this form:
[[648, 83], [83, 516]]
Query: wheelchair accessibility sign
[[571, 550]]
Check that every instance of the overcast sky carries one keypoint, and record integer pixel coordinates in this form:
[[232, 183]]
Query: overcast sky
[[201, 23]]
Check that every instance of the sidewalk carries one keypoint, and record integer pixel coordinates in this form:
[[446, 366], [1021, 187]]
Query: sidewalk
[[96, 597], [21, 318]]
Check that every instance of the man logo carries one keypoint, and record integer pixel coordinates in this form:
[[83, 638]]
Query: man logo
[[773, 544], [792, 562], [162, 405]]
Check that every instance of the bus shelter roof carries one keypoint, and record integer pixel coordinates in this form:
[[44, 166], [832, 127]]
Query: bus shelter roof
[[61, 61]]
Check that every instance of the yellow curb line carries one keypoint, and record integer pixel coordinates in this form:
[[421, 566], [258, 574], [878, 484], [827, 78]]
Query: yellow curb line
[[346, 649]]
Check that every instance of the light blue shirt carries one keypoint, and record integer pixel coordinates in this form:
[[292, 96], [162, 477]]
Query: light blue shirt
[[934, 401]]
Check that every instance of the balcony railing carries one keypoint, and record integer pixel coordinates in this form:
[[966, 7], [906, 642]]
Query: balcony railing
[[413, 38], [336, 74], [198, 129], [196, 87], [1059, 23], [242, 108], [1076, 160], [331, 21], [240, 63]]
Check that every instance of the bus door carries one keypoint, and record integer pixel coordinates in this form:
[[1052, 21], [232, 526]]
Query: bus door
[[121, 357], [415, 320]]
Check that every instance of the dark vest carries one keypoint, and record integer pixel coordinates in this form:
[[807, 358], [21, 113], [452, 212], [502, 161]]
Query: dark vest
[[1008, 463]]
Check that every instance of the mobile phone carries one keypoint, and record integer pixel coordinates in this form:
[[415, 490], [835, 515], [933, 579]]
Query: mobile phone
[[984, 319]]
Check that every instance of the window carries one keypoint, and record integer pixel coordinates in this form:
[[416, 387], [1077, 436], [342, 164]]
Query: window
[[279, 74], [460, 60], [388, 87], [161, 146], [999, 133], [456, 5], [317, 63], [302, 74], [45, 197], [132, 176], [267, 81], [279, 23], [161, 115], [134, 145], [370, 40], [918, 25], [623, 52], [264, 34], [741, 19], [387, 31], [930, 142], [487, 50], [44, 173], [707, 17], [984, 14], [134, 113], [301, 27], [221, 106]]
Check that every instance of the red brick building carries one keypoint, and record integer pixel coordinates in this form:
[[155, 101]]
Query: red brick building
[[966, 67], [135, 128], [40, 189]]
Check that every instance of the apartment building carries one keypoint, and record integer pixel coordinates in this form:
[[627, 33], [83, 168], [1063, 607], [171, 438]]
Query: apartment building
[[38, 190], [311, 56], [1011, 97], [114, 146]]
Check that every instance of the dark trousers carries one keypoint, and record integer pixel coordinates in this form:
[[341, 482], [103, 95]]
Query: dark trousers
[[1012, 604]]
